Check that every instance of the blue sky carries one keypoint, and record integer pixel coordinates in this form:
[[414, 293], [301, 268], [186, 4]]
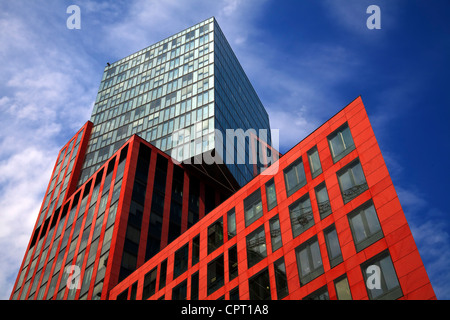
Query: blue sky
[[306, 59]]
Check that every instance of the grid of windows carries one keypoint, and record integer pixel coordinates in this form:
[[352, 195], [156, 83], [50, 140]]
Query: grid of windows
[[155, 93], [309, 255]]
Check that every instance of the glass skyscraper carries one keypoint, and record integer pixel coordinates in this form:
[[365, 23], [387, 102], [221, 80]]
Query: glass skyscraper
[[175, 94]]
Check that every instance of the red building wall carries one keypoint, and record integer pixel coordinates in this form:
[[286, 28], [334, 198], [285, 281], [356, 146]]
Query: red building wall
[[397, 239]]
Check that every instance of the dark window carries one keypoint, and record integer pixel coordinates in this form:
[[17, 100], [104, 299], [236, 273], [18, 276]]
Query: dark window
[[179, 292], [123, 295], [215, 235], [342, 288], [341, 142], [333, 247], [380, 278], [215, 274], [163, 274], [234, 294], [309, 260], [194, 286], [259, 286], [271, 195], [253, 207], [280, 278], [314, 162], [275, 233], [149, 284], [232, 262], [231, 222], [320, 294], [133, 291], [195, 250], [352, 181], [194, 201], [256, 246], [365, 226], [301, 215], [181, 261], [294, 177], [323, 202]]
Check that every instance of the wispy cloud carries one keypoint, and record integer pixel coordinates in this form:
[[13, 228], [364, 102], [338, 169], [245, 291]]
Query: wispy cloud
[[46, 93], [429, 227]]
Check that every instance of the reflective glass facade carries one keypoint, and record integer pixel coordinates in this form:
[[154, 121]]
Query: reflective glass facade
[[174, 94]]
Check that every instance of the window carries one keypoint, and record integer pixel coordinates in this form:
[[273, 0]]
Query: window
[[215, 235], [309, 260], [195, 250], [280, 278], [386, 286], [162, 274], [234, 294], [253, 207], [352, 181], [320, 294], [314, 162], [342, 288], [259, 286], [341, 143], [323, 201], [301, 215], [365, 226], [181, 261], [215, 274], [294, 177], [194, 286], [149, 284], [179, 292], [231, 221], [275, 233], [232, 262], [333, 247], [256, 247], [271, 195]]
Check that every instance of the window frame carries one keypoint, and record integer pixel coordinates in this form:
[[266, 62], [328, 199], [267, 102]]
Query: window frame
[[300, 183], [305, 226], [346, 150], [392, 294], [356, 189], [310, 153], [250, 205], [274, 203], [314, 273], [373, 237]]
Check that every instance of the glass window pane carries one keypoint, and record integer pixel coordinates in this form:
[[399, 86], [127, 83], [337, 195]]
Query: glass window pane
[[389, 274], [343, 289], [358, 228], [256, 246], [259, 286], [372, 220], [271, 195]]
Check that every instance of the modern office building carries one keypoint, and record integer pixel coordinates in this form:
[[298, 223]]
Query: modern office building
[[179, 94], [326, 223], [129, 214]]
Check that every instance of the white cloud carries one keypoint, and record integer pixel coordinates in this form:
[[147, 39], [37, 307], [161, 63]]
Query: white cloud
[[46, 95]]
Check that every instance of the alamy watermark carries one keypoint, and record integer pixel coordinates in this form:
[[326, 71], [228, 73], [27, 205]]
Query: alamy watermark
[[74, 20], [374, 20], [73, 279], [236, 146]]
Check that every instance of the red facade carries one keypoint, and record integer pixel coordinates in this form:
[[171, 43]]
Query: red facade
[[327, 247], [395, 241]]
